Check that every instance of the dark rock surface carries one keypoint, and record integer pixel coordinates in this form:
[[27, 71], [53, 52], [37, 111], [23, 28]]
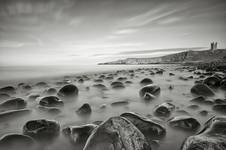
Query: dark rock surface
[[212, 136], [164, 109], [13, 104], [151, 89], [184, 122], [51, 101], [85, 109], [68, 91], [42, 130], [117, 133], [202, 89]]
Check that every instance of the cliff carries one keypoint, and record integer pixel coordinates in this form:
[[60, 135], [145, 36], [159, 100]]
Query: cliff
[[182, 57]]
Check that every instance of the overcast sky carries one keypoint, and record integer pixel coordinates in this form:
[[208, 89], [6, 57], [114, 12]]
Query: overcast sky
[[34, 32]]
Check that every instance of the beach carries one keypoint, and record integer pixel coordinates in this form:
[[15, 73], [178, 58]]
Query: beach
[[95, 89]]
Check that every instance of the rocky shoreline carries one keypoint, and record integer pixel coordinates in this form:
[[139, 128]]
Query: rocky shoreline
[[141, 122]]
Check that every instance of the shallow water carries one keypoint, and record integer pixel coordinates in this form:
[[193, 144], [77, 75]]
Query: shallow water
[[179, 96]]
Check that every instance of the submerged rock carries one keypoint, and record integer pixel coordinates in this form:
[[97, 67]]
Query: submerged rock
[[68, 91], [16, 142], [212, 81], [79, 134], [221, 108], [51, 101], [184, 122], [202, 89], [117, 85], [120, 103], [151, 89], [8, 90], [100, 86], [146, 81], [149, 128], [42, 130], [41, 84], [12, 104], [212, 137], [164, 109], [51, 91], [117, 133], [85, 109]]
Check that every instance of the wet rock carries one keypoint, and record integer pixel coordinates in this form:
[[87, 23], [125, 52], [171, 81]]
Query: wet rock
[[194, 107], [171, 74], [128, 82], [202, 89], [42, 130], [221, 108], [41, 84], [85, 109], [146, 81], [68, 91], [199, 99], [98, 80], [14, 114], [164, 109], [8, 90], [212, 81], [183, 78], [223, 84], [12, 104], [80, 80], [116, 133], [211, 137], [97, 122], [122, 78], [151, 89], [26, 87], [117, 85], [203, 113], [171, 87], [51, 101], [51, 91], [184, 122], [79, 134], [100, 86], [16, 142], [33, 97], [149, 128], [220, 101], [50, 110], [120, 103]]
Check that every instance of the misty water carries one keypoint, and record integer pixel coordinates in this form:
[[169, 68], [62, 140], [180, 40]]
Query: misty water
[[179, 96]]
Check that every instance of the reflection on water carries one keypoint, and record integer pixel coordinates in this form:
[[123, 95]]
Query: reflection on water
[[179, 96]]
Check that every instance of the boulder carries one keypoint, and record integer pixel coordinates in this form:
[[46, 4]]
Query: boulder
[[13, 104], [79, 134], [51, 101], [212, 81], [211, 137], [68, 91], [117, 133], [151, 89], [8, 90], [164, 109], [117, 85], [16, 142], [146, 81], [13, 114], [42, 130], [184, 122], [220, 108], [202, 89], [120, 103], [85, 109], [51, 91], [148, 127], [100, 86]]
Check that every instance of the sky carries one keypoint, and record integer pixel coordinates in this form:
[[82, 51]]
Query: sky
[[54, 32]]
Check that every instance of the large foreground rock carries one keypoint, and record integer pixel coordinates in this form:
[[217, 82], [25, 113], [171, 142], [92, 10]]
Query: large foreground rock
[[212, 137], [202, 89], [149, 128], [42, 130], [68, 91], [117, 133]]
